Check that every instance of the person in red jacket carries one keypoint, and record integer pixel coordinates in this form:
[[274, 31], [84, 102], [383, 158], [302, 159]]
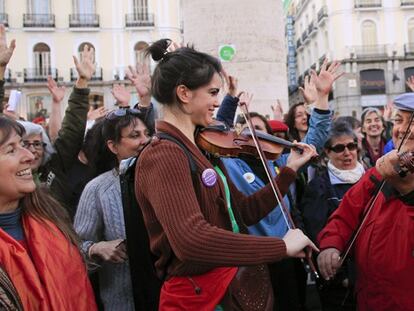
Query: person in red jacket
[[384, 249]]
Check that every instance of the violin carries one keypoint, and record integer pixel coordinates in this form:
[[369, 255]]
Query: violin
[[221, 141]]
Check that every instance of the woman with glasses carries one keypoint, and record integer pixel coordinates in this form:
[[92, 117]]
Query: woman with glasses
[[322, 197], [99, 219]]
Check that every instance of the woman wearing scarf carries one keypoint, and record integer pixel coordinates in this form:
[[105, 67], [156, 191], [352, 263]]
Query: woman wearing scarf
[[322, 197]]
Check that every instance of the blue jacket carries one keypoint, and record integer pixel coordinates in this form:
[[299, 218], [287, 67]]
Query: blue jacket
[[274, 224]]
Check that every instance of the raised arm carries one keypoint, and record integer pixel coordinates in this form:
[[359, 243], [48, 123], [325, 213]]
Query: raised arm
[[228, 107], [316, 90], [70, 137], [55, 121], [6, 53]]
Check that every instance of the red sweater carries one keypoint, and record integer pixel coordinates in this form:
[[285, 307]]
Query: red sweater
[[191, 238], [384, 250]]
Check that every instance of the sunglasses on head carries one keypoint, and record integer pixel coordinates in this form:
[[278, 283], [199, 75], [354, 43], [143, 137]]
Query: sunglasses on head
[[340, 147], [122, 112]]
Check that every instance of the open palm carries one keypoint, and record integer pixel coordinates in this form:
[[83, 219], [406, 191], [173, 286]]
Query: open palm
[[6, 52], [57, 92], [141, 79], [86, 67], [327, 76]]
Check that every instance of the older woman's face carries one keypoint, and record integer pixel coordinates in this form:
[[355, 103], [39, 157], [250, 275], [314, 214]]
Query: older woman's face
[[15, 170], [134, 137], [372, 125], [34, 143], [347, 158], [401, 121]]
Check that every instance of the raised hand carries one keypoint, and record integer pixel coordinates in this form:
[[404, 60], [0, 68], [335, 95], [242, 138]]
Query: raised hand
[[231, 83], [8, 113], [277, 110], [86, 67], [6, 52], [410, 83], [121, 94], [388, 111], [327, 76], [57, 92], [141, 79], [94, 114], [245, 98], [309, 91]]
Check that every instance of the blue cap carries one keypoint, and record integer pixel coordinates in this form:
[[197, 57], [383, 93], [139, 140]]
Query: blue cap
[[405, 102]]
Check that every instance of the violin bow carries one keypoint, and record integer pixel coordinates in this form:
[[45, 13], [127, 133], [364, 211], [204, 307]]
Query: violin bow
[[372, 201], [278, 195]]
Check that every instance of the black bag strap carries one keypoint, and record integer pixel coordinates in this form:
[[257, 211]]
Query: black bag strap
[[193, 166], [146, 285]]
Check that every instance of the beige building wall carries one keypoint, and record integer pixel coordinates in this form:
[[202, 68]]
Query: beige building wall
[[114, 43], [337, 33], [256, 30]]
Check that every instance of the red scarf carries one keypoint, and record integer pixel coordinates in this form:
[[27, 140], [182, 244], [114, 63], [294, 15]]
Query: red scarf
[[50, 273]]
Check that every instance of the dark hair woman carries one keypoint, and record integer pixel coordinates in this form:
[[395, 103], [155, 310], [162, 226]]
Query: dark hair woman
[[193, 225], [38, 247], [99, 219], [322, 197]]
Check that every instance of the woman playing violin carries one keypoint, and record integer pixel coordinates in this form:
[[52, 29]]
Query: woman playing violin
[[384, 248], [196, 225]]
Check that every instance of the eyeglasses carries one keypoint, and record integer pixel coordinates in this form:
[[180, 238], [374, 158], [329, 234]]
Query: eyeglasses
[[38, 145], [122, 112], [341, 148]]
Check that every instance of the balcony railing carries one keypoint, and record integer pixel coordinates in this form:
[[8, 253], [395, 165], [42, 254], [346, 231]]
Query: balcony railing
[[97, 76], [139, 20], [409, 49], [298, 43], [4, 19], [39, 20], [83, 20], [362, 4], [311, 27], [370, 51], [39, 74], [322, 13], [407, 2], [322, 59], [304, 35]]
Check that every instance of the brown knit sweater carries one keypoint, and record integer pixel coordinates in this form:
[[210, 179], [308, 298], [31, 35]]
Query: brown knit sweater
[[191, 238]]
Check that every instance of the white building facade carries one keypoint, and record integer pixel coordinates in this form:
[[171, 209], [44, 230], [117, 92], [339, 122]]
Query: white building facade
[[374, 40], [49, 32]]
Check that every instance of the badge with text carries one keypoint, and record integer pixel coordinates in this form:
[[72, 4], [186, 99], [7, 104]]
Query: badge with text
[[209, 177]]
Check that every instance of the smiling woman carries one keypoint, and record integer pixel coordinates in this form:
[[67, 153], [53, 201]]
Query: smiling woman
[[38, 249]]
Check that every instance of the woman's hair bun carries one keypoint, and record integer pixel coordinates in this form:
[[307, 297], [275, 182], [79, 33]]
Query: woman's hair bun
[[158, 49]]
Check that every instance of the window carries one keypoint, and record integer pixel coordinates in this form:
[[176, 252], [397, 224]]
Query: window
[[41, 54], [83, 6], [139, 50], [38, 6], [369, 33], [2, 10], [411, 30], [140, 7]]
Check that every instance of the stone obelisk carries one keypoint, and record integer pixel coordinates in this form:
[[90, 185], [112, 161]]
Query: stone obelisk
[[254, 32]]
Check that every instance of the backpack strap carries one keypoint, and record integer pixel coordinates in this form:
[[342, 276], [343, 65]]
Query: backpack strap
[[193, 166]]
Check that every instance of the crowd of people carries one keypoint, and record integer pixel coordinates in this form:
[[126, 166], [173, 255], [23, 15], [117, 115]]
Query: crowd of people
[[116, 209]]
